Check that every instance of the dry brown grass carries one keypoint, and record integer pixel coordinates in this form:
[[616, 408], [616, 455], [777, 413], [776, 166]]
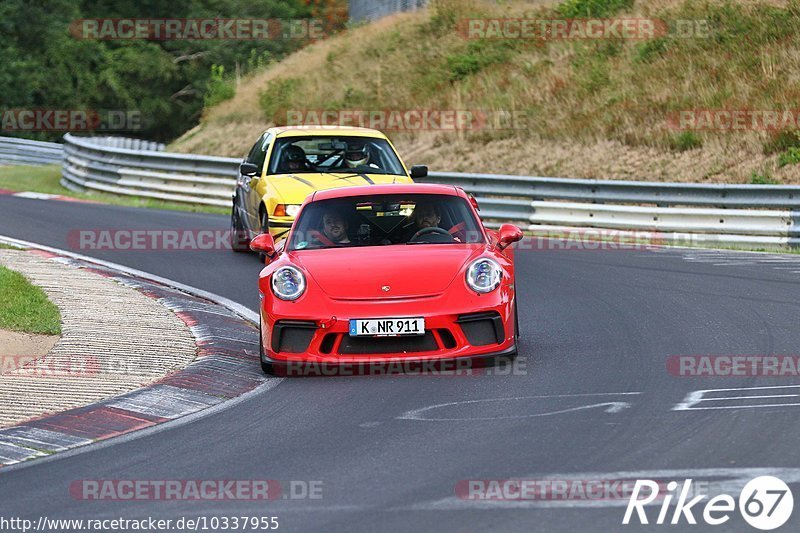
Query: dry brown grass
[[594, 109]]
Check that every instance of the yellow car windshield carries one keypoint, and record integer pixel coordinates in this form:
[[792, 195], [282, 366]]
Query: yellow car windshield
[[340, 154]]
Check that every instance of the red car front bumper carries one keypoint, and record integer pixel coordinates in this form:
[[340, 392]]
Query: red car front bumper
[[464, 327]]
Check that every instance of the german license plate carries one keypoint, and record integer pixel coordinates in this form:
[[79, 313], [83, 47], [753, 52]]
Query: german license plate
[[386, 326]]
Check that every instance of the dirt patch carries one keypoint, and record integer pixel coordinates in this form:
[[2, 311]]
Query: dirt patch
[[15, 344]]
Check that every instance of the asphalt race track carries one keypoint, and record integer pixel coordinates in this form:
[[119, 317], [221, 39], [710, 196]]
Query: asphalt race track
[[592, 398]]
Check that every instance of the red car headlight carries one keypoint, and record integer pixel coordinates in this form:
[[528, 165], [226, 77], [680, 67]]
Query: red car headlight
[[484, 275], [288, 283]]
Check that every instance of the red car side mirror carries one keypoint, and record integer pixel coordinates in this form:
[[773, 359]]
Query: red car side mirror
[[509, 234], [263, 243]]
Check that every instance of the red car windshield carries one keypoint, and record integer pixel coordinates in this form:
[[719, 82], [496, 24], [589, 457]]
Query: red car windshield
[[384, 220]]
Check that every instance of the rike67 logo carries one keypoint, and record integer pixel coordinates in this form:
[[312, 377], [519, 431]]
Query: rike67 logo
[[765, 503]]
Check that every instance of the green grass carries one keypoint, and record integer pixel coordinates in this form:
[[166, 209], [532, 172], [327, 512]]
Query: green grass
[[4, 246], [688, 140], [275, 97], [592, 8], [45, 179], [25, 307], [789, 157], [782, 141], [764, 178]]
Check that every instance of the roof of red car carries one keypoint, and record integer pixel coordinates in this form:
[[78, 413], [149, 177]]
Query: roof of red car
[[386, 188]]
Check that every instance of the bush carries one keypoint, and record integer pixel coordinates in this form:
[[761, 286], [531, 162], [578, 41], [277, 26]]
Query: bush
[[609, 49], [591, 67], [479, 54], [688, 140], [789, 157], [218, 88], [782, 141], [446, 15], [276, 98], [463, 65], [757, 178], [649, 51]]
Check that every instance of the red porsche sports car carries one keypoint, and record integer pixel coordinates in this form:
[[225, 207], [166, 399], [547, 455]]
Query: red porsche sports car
[[387, 274]]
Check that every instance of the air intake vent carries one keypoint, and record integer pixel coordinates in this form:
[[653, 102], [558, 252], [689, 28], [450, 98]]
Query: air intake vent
[[292, 336], [482, 328]]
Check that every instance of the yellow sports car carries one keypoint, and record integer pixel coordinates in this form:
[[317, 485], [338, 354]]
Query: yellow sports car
[[288, 163]]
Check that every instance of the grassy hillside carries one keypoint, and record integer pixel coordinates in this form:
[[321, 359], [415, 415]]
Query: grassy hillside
[[592, 108]]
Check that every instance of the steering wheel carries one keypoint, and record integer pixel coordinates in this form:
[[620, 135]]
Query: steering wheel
[[426, 231]]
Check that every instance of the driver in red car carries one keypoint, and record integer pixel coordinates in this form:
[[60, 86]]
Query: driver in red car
[[333, 229], [426, 216]]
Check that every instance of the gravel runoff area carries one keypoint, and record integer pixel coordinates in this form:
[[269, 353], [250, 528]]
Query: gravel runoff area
[[114, 340]]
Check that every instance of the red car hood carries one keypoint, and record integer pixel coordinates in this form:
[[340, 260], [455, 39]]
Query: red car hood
[[408, 270]]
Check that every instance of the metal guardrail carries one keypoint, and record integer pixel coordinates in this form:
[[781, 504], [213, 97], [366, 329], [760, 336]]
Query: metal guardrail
[[677, 212], [671, 212], [633, 192], [151, 173], [128, 143], [15, 151]]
